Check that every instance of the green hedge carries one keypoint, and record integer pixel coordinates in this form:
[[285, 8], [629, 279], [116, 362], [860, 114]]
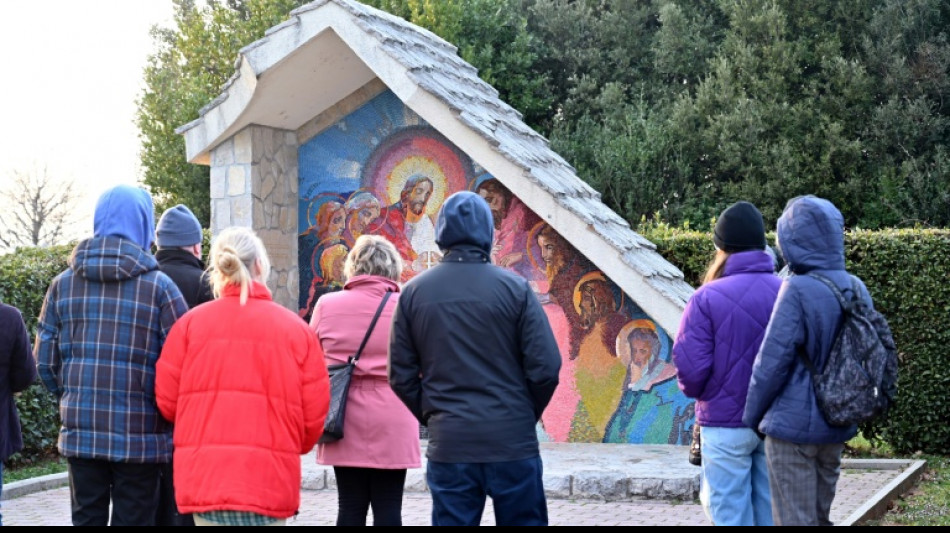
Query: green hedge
[[906, 272], [24, 277]]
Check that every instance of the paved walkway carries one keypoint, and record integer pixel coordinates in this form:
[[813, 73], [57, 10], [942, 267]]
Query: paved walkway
[[587, 485]]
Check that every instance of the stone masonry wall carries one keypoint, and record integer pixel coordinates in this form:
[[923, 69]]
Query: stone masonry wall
[[254, 184]]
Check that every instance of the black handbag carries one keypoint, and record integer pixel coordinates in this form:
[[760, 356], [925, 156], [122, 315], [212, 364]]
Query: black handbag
[[340, 376]]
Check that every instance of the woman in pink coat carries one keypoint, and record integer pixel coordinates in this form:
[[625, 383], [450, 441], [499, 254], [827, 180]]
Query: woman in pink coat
[[381, 436]]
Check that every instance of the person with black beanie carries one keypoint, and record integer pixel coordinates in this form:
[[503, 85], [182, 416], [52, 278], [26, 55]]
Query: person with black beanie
[[717, 341]]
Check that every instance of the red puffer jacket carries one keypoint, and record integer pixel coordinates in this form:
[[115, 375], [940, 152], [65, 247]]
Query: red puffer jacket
[[247, 389]]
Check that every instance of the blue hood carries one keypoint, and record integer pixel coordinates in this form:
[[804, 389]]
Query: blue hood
[[126, 211], [810, 233], [465, 218]]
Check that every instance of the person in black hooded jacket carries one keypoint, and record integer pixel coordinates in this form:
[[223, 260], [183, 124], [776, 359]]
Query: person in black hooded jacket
[[17, 372], [473, 357]]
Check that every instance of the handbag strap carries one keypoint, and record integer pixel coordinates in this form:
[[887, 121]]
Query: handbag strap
[[379, 310]]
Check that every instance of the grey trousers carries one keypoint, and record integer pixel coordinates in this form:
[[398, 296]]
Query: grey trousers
[[802, 479]]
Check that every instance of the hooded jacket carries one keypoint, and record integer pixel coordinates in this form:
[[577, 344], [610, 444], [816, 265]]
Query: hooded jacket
[[719, 336], [471, 352], [781, 400], [247, 389], [17, 372], [100, 333]]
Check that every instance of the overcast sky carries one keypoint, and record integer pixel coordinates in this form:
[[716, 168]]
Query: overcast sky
[[72, 72]]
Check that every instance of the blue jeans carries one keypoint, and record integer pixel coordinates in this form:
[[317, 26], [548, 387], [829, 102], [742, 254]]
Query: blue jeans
[[735, 478], [1, 491], [459, 492]]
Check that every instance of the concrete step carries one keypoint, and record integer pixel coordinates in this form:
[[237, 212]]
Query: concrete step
[[600, 472]]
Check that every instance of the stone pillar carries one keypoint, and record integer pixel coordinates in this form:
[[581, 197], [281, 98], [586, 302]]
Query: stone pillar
[[254, 184]]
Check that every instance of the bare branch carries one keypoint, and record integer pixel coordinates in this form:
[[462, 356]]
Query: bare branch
[[37, 208]]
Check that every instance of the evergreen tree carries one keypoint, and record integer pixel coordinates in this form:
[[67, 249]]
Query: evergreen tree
[[673, 108], [188, 70]]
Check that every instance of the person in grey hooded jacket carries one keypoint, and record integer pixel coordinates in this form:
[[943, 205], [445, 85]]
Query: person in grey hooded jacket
[[473, 357], [802, 450]]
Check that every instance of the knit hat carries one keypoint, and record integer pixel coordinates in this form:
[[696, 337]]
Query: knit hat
[[739, 228], [178, 227]]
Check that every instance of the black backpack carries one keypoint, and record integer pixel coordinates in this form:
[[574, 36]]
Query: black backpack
[[859, 380]]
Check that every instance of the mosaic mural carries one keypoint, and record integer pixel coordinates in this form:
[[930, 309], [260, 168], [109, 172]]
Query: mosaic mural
[[383, 170]]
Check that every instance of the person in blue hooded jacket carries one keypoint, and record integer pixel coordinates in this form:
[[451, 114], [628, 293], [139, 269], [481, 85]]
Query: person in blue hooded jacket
[[473, 357], [802, 450], [103, 323]]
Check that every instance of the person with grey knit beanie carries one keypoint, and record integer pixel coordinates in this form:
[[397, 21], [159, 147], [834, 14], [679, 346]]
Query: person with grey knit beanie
[[179, 239]]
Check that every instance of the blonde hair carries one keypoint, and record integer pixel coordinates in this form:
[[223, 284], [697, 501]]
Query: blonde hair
[[235, 255], [329, 258], [716, 266], [373, 255]]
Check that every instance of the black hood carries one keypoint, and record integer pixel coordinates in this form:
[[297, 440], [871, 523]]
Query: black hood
[[465, 219]]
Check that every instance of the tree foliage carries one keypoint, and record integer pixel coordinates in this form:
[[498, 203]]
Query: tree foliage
[[670, 108], [760, 100], [188, 69]]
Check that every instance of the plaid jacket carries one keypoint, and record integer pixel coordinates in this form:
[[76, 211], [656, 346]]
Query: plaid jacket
[[101, 330]]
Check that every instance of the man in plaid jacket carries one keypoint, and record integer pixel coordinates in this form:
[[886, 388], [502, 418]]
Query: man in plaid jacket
[[101, 330]]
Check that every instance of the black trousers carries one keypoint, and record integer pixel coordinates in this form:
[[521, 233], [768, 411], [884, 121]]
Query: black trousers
[[131, 488], [168, 514], [360, 488]]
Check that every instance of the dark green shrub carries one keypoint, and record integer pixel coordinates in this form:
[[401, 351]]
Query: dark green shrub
[[24, 277], [906, 273]]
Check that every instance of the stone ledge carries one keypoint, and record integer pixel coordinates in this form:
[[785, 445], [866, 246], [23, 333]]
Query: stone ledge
[[877, 506], [36, 484]]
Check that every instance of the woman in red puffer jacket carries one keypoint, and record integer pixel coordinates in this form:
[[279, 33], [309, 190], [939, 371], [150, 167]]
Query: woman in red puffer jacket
[[244, 381]]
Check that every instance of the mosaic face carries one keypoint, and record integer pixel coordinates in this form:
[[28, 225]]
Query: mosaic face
[[383, 170]]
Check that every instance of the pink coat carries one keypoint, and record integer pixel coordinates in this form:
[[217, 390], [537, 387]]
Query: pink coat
[[379, 431]]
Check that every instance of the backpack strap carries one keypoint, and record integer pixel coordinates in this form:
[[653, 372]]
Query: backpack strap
[[846, 304], [846, 307]]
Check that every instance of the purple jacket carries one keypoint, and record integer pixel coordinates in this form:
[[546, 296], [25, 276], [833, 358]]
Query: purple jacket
[[719, 336]]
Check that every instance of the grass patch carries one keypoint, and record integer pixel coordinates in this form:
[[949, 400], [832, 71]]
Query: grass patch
[[52, 465], [927, 503]]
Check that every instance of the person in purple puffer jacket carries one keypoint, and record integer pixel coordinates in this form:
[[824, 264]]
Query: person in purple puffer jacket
[[719, 336]]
